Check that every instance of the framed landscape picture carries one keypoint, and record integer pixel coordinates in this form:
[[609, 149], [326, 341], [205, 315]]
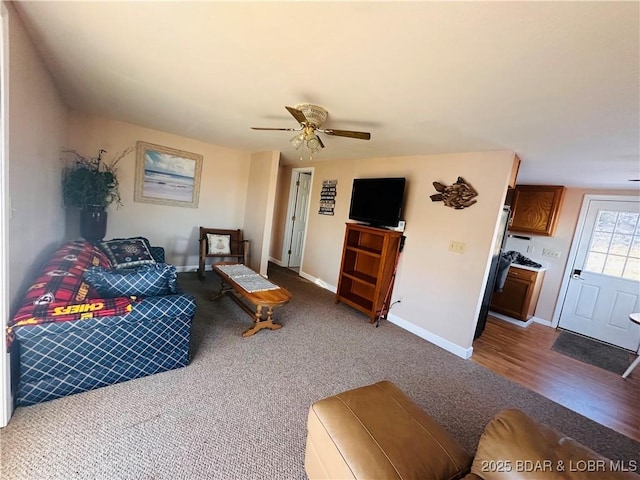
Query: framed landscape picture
[[167, 176]]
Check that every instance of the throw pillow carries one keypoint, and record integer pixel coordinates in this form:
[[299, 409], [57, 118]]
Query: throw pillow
[[144, 281], [127, 252], [219, 244]]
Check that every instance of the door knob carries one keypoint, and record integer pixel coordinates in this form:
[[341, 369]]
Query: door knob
[[576, 274]]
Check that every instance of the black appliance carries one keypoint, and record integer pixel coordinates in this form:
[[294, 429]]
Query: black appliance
[[377, 201], [493, 271]]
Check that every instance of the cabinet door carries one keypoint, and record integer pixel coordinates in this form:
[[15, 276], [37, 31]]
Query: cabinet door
[[514, 172], [536, 209], [512, 301]]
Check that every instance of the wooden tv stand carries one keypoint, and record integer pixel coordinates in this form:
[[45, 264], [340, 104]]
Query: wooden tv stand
[[369, 259]]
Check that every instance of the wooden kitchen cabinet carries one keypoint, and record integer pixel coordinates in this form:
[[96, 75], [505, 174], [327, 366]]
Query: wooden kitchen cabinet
[[520, 294], [369, 258], [536, 209], [514, 172]]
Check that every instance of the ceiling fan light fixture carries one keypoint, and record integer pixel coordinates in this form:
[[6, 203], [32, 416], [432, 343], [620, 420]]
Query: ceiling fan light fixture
[[315, 114], [313, 142], [297, 140], [310, 118]]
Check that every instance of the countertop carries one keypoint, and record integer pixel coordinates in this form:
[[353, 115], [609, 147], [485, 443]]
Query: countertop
[[533, 269]]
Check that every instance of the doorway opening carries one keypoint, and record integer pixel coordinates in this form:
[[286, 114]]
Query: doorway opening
[[602, 277], [296, 219]]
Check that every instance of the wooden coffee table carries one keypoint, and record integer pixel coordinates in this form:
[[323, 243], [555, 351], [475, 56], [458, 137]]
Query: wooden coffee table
[[242, 283]]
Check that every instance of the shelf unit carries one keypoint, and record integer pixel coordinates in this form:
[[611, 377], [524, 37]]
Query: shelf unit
[[369, 258]]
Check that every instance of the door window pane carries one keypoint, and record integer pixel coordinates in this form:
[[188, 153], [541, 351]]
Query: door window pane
[[620, 244], [615, 245], [595, 262], [632, 269], [614, 266], [606, 221], [600, 242], [626, 222], [634, 251]]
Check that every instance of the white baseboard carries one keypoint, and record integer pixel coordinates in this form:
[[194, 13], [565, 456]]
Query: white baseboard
[[319, 282], [410, 327], [542, 321], [194, 268], [186, 268], [513, 321], [277, 262], [431, 337]]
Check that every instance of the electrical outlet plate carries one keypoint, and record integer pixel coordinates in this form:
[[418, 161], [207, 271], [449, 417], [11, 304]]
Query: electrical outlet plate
[[457, 247], [547, 252]]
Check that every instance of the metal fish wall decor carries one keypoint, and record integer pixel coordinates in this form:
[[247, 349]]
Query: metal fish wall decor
[[459, 195]]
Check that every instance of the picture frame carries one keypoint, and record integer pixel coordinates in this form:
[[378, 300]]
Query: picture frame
[[167, 176]]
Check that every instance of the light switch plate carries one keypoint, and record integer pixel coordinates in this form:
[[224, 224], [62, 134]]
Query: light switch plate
[[457, 247]]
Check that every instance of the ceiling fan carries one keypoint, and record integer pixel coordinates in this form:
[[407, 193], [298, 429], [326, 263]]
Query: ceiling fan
[[311, 118]]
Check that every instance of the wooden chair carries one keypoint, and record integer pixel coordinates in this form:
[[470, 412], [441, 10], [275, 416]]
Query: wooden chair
[[234, 249]]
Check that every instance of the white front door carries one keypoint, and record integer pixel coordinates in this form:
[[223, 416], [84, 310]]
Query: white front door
[[604, 287]]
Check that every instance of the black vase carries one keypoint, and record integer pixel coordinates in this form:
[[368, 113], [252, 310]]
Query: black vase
[[93, 223]]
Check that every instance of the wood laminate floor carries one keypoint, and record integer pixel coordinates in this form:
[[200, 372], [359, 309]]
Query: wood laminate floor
[[524, 356]]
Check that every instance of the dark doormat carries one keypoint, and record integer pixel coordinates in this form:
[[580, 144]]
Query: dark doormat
[[593, 352]]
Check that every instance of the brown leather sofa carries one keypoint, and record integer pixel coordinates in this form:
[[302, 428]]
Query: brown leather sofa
[[377, 432]]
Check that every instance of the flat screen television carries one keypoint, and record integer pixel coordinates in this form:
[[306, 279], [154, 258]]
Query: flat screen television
[[377, 201]]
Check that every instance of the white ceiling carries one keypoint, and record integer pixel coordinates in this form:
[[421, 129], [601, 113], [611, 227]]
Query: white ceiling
[[557, 82]]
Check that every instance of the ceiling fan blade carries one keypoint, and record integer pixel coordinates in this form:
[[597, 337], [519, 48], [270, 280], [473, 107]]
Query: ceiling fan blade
[[320, 141], [347, 133], [284, 129], [297, 114]]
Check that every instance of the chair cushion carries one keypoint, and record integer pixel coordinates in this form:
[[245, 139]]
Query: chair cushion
[[377, 431], [127, 252], [218, 244], [144, 281], [513, 445]]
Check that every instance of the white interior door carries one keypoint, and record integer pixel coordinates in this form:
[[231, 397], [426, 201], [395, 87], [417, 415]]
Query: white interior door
[[299, 219], [605, 279], [6, 399]]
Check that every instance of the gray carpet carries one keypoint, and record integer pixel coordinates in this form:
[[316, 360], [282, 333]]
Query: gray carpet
[[238, 411], [592, 352]]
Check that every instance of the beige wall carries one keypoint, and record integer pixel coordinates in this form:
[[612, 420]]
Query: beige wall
[[561, 242], [37, 129], [258, 215], [223, 187], [280, 213], [440, 290]]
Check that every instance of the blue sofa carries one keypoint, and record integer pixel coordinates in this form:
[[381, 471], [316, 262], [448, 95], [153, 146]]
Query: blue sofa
[[70, 335]]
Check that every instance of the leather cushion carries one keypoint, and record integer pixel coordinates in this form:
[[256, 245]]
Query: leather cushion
[[376, 431], [514, 446]]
